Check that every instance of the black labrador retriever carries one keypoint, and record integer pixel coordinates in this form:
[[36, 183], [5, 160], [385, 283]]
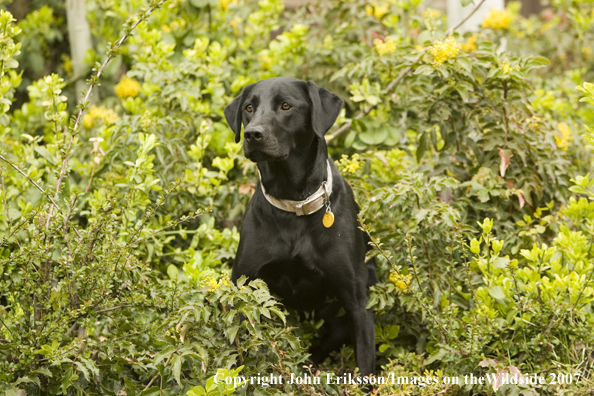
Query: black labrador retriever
[[300, 233]]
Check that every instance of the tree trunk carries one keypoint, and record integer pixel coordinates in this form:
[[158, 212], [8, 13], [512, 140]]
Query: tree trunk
[[79, 33]]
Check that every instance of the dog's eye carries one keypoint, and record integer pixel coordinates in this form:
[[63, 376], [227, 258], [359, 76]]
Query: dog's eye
[[249, 108], [285, 106]]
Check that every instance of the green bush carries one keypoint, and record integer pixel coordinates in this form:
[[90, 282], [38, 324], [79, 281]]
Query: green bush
[[467, 154]]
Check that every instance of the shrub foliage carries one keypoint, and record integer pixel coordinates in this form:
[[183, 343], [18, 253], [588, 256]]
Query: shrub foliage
[[469, 154]]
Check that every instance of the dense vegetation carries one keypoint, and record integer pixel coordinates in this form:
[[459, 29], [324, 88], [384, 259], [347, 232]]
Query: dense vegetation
[[469, 155]]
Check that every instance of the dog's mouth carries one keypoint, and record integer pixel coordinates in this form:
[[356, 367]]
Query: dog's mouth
[[257, 155]]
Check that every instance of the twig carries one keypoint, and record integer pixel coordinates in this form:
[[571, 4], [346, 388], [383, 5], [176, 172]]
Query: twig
[[347, 125], [158, 373], [198, 213], [575, 305], [114, 308], [151, 214], [444, 333], [38, 187], [31, 180], [4, 195], [451, 30]]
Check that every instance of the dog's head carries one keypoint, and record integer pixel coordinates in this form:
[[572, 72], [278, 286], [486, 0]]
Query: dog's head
[[280, 115]]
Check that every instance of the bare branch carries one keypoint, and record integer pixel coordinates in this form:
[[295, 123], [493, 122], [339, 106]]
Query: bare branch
[[30, 180], [451, 30]]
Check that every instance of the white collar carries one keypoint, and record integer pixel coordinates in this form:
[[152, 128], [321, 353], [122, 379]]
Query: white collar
[[310, 205]]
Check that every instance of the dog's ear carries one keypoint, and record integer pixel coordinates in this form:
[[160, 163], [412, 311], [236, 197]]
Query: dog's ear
[[325, 108], [233, 112]]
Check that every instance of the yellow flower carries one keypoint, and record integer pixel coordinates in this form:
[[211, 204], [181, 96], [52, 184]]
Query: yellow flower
[[89, 121], [384, 47], [470, 44], [401, 281], [350, 165], [497, 19], [99, 113], [127, 87], [442, 52], [533, 122], [328, 42], [210, 281], [431, 12], [67, 63], [235, 23], [224, 4], [376, 10], [565, 140], [265, 60], [175, 25], [506, 67]]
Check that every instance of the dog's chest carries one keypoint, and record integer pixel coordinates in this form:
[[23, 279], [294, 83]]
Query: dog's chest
[[299, 284], [302, 240]]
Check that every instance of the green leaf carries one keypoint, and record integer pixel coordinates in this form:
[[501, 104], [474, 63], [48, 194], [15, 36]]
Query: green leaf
[[203, 3], [176, 368], [425, 70], [172, 271], [130, 387], [436, 356], [496, 292], [231, 332], [422, 147], [44, 153], [152, 391], [374, 137], [500, 262], [393, 331], [464, 63], [26, 379]]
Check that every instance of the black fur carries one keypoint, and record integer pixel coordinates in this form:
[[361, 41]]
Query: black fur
[[303, 262]]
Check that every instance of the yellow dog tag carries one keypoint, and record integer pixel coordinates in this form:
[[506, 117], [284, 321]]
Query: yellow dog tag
[[328, 219]]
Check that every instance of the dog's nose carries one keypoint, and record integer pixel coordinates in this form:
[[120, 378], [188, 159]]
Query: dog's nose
[[253, 134]]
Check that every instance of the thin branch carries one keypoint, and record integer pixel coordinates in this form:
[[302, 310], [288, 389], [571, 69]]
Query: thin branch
[[451, 30], [114, 308], [575, 305], [347, 125], [152, 213], [31, 180], [4, 195], [173, 224], [158, 373]]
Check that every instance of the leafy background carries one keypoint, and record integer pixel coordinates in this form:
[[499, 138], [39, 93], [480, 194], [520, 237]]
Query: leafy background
[[469, 154]]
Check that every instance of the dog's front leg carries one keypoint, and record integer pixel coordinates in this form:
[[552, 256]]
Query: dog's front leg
[[363, 331]]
